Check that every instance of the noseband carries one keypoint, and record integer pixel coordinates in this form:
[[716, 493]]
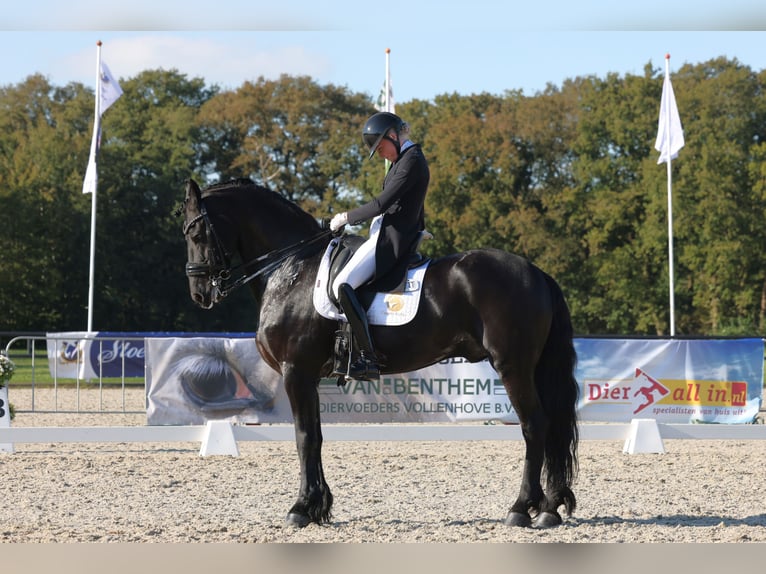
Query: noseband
[[219, 270]]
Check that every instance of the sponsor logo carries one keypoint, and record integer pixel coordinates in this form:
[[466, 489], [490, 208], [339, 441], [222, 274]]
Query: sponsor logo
[[394, 302], [644, 391], [70, 353], [107, 357]]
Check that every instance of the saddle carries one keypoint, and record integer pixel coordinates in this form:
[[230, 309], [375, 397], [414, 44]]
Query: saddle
[[397, 293], [344, 251], [383, 306]]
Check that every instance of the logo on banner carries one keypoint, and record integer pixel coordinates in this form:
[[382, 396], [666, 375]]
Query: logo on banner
[[651, 391], [70, 352], [670, 395], [108, 355]]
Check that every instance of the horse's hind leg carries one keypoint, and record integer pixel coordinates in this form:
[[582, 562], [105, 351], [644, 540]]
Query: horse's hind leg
[[521, 391]]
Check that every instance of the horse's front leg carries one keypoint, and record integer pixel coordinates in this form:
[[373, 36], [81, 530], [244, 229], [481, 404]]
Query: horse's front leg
[[314, 502]]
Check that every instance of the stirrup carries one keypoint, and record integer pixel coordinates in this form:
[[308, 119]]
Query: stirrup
[[364, 368]]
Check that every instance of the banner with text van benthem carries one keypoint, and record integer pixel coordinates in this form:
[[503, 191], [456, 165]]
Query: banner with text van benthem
[[673, 381], [192, 380], [452, 390]]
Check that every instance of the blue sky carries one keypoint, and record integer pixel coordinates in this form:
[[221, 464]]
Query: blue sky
[[437, 46]]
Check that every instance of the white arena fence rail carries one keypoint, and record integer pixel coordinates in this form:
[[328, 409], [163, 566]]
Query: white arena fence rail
[[222, 437]]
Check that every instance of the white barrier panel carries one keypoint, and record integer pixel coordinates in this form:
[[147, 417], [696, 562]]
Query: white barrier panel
[[216, 436], [5, 417], [644, 437], [219, 439]]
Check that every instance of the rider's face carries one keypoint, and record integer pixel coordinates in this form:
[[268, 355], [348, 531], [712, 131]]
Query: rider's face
[[387, 149]]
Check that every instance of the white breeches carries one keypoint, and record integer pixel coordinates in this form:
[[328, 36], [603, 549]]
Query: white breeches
[[361, 267]]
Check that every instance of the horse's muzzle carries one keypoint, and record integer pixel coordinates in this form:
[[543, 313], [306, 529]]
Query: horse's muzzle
[[202, 300]]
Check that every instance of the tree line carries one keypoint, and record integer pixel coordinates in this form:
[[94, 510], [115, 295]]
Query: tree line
[[567, 178]]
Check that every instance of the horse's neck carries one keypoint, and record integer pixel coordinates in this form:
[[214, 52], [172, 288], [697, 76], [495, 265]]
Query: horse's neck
[[273, 227], [295, 276]]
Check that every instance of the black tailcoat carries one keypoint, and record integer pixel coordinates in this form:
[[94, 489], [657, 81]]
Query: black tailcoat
[[402, 204]]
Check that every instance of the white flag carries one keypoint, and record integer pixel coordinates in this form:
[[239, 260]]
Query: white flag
[[384, 104], [673, 139], [110, 89], [91, 178]]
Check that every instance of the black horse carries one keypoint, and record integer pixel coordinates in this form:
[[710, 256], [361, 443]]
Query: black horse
[[479, 304]]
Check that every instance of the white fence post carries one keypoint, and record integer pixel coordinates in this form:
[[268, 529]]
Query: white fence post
[[5, 417], [644, 436], [219, 439]]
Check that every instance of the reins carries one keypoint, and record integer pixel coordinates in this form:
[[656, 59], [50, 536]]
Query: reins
[[270, 262]]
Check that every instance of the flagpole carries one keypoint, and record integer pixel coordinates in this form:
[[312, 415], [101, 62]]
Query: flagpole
[[388, 79], [670, 213], [387, 100], [93, 150]]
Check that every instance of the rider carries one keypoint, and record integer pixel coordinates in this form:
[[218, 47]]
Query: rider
[[397, 219]]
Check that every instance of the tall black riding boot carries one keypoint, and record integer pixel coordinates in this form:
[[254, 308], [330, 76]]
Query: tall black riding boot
[[365, 367]]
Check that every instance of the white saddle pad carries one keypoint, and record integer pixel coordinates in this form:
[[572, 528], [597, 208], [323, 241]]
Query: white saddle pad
[[386, 309]]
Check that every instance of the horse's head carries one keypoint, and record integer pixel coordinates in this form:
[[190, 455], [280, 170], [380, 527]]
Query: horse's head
[[258, 225], [208, 257]]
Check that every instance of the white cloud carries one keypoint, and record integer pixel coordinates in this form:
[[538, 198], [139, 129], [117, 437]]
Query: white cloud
[[286, 15], [227, 64]]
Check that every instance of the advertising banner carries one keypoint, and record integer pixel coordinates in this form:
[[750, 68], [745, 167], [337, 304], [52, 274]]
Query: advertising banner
[[66, 354], [104, 354], [714, 381], [193, 380], [190, 381], [78, 355], [450, 391], [678, 381]]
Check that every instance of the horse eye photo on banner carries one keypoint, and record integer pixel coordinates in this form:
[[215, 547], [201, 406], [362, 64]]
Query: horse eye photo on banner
[[213, 384], [193, 380]]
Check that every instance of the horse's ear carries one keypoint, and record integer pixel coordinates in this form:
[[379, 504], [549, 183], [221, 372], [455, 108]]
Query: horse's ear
[[193, 193]]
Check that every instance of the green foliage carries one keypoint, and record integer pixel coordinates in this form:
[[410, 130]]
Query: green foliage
[[567, 178], [290, 134], [43, 136]]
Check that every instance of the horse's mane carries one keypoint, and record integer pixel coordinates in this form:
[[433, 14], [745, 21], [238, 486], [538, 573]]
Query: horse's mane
[[246, 185]]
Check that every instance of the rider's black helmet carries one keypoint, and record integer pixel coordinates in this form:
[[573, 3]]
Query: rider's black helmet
[[377, 127]]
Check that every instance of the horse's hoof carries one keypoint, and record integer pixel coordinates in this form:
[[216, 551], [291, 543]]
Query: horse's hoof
[[518, 519], [297, 520], [547, 520]]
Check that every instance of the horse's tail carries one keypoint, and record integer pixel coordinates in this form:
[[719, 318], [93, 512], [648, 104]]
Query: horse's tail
[[558, 390]]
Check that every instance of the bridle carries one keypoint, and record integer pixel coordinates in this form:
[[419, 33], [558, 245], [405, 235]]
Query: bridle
[[218, 269]]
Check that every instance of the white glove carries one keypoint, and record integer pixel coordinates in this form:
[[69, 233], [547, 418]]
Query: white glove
[[338, 221]]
